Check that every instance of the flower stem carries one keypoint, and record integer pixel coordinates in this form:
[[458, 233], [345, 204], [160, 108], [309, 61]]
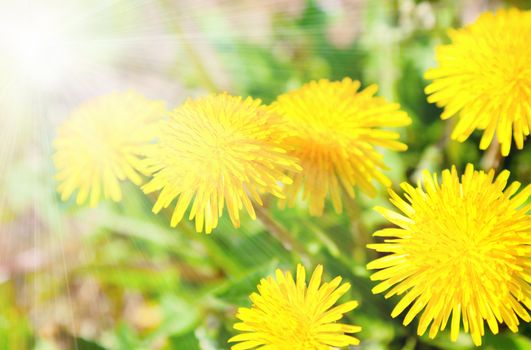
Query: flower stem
[[194, 58], [215, 252], [280, 232], [492, 159], [358, 229]]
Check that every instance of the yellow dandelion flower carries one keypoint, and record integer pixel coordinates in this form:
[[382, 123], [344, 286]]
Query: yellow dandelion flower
[[484, 76], [287, 314], [337, 131], [462, 249], [101, 144], [218, 150]]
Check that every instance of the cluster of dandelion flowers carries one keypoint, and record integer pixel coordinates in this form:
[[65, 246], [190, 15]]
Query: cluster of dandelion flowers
[[215, 151], [102, 143], [461, 249], [287, 314], [337, 132], [484, 76]]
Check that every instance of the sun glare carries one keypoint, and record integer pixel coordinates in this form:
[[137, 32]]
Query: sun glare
[[35, 45]]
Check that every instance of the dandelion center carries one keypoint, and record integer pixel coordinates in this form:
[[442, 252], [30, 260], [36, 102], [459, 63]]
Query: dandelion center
[[461, 245], [296, 325]]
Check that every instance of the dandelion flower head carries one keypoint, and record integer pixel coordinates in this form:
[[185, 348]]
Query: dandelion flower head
[[102, 143], [288, 314], [337, 131], [461, 252], [484, 77], [215, 151]]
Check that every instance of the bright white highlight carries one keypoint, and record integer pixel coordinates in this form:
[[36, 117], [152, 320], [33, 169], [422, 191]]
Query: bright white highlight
[[37, 44]]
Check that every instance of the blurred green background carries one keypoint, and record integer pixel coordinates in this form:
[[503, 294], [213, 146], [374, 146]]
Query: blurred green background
[[118, 277]]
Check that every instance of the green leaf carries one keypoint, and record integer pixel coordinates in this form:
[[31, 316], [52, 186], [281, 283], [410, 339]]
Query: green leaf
[[125, 338], [83, 344], [506, 341], [180, 317], [143, 279], [186, 341], [236, 291]]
